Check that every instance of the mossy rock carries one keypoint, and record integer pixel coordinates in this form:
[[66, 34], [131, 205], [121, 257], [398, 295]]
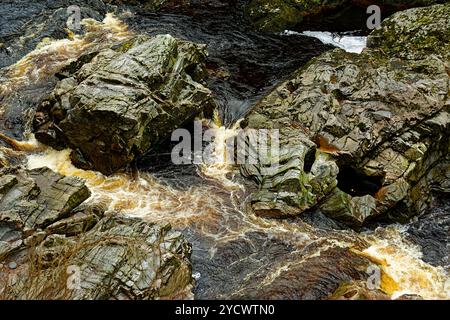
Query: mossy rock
[[415, 34]]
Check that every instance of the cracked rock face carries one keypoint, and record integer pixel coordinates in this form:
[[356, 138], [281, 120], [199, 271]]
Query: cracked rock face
[[119, 258], [49, 237], [361, 136], [124, 101], [138, 260], [31, 200], [39, 197]]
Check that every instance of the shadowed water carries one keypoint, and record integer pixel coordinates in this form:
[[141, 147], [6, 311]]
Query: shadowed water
[[243, 65]]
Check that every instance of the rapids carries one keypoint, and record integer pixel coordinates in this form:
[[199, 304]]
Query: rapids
[[235, 254], [212, 213]]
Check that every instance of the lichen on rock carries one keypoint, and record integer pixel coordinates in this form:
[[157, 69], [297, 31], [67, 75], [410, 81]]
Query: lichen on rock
[[51, 239], [124, 101], [381, 117]]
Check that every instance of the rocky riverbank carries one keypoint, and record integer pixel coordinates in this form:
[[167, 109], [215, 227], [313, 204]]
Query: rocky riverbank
[[364, 144], [362, 136]]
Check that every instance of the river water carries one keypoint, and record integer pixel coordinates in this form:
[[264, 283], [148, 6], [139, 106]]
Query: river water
[[236, 254]]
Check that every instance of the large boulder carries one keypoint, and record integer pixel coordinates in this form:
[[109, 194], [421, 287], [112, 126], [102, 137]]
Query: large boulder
[[119, 258], [52, 246], [278, 15], [361, 135], [124, 101], [32, 200]]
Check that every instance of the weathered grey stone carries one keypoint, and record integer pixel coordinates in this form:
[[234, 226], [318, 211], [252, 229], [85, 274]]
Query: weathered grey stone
[[125, 101], [35, 239], [73, 225], [154, 5], [379, 117], [7, 247], [414, 34], [32, 199], [6, 183], [120, 258], [41, 197]]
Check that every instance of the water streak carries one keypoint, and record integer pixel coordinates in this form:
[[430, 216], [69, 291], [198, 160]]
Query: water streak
[[50, 56], [401, 260], [349, 43]]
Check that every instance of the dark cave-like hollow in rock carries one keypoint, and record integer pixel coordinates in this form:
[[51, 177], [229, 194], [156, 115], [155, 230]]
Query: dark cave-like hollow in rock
[[357, 184]]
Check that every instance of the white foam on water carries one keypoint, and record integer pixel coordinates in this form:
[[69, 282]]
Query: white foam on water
[[52, 55], [402, 261], [354, 44], [150, 198]]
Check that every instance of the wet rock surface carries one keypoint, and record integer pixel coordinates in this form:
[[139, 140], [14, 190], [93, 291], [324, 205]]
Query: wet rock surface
[[242, 64], [32, 200], [51, 241], [39, 197], [262, 266], [31, 77], [235, 254], [123, 102], [359, 134], [137, 260]]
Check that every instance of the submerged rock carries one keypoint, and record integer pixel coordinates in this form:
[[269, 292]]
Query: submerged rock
[[431, 231], [359, 134], [124, 101], [264, 266], [358, 291]]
